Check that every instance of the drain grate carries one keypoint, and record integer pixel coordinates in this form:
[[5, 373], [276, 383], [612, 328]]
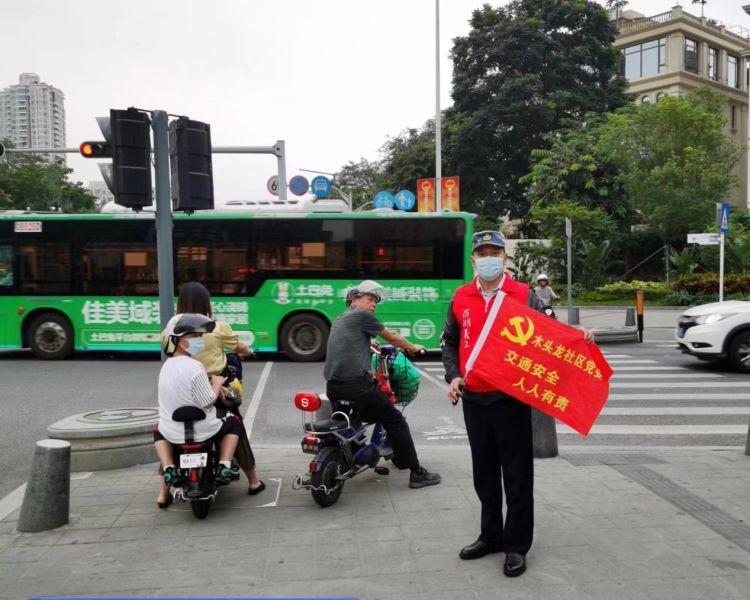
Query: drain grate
[[598, 459], [702, 511]]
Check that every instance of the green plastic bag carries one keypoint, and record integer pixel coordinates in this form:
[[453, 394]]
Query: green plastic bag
[[404, 378]]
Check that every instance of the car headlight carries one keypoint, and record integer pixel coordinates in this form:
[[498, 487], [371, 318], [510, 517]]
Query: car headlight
[[712, 318]]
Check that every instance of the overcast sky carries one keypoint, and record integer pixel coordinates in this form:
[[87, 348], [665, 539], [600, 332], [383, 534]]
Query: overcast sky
[[333, 78]]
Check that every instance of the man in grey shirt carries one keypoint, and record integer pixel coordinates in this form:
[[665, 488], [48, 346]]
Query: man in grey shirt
[[543, 291], [348, 373]]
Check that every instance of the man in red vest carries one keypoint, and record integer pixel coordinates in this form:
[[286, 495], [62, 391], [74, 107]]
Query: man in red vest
[[498, 426]]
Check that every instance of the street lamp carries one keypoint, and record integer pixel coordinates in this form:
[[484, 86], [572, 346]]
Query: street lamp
[[746, 8]]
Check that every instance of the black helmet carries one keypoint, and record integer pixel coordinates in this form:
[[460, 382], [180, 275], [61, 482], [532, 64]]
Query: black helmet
[[182, 324]]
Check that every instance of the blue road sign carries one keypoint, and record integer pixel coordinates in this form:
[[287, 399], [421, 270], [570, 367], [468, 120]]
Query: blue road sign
[[299, 185], [724, 220], [321, 186], [405, 200], [384, 199]]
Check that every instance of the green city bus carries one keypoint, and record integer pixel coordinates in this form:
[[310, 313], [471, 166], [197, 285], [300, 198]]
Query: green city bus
[[90, 282]]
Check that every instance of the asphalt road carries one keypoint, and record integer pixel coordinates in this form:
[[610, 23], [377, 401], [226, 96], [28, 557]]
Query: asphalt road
[[659, 397]]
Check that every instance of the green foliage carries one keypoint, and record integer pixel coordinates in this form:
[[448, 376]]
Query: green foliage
[[524, 69], [360, 179], [708, 283], [29, 181], [626, 290]]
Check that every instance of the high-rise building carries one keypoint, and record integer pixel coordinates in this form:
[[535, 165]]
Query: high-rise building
[[32, 114], [675, 52], [102, 194]]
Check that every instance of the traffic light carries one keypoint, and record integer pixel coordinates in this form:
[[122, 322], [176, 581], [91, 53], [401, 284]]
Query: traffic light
[[127, 138], [191, 168]]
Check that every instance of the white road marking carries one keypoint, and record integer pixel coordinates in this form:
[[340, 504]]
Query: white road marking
[[278, 493], [677, 410], [433, 380], [12, 501], [674, 384], [683, 396], [618, 368], [670, 375], [660, 429], [255, 401], [630, 362], [435, 369]]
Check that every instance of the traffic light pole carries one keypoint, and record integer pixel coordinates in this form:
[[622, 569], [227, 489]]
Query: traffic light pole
[[160, 126]]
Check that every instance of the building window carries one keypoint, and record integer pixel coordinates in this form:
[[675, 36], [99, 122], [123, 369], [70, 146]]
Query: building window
[[691, 55], [713, 64], [644, 60], [733, 116], [646, 100], [733, 71], [660, 96]]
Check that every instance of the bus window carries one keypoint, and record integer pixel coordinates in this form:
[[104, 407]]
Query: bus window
[[6, 266], [45, 268], [119, 269]]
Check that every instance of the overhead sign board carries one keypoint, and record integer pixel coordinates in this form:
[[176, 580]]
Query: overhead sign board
[[272, 185], [321, 186], [299, 185], [405, 200], [384, 199], [703, 239]]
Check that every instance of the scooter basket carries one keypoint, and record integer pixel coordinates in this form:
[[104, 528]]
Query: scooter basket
[[404, 379]]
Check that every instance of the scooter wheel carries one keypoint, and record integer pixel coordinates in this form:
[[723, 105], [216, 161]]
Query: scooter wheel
[[382, 470], [200, 508], [325, 477]]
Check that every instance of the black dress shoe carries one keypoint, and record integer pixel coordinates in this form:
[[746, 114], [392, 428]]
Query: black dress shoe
[[478, 549], [515, 564]]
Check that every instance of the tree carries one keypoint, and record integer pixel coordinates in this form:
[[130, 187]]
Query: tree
[[522, 71], [675, 161], [360, 178], [29, 181]]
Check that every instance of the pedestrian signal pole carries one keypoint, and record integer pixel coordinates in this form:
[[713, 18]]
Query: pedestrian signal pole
[[569, 238]]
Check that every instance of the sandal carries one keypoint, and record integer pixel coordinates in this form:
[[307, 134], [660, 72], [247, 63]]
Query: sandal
[[258, 490], [165, 503]]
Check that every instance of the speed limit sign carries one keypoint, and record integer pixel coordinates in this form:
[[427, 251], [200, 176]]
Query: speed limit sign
[[273, 185]]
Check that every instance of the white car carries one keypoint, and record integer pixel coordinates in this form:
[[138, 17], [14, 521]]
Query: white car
[[720, 330]]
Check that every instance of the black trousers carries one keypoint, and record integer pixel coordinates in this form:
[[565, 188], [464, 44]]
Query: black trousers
[[375, 406], [502, 449]]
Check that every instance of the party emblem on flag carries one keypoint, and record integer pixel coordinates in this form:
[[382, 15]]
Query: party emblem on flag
[[541, 362]]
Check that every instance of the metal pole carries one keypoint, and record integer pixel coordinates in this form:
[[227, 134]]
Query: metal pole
[[281, 160], [666, 262], [747, 147], [569, 236], [160, 126], [438, 128], [721, 267]]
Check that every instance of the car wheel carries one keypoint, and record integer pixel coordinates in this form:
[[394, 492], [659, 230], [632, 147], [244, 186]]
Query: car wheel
[[739, 352]]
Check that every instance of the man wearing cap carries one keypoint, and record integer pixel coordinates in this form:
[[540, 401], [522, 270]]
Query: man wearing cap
[[348, 372], [498, 426]]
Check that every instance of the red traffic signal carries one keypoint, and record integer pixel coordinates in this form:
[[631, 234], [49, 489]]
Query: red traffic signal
[[95, 150]]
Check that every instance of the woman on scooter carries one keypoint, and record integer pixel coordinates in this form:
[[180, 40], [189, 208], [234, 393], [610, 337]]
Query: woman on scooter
[[183, 382], [220, 357]]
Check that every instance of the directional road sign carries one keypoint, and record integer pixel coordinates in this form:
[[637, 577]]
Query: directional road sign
[[703, 239], [384, 199], [299, 185], [405, 200]]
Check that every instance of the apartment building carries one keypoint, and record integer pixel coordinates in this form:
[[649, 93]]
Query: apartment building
[[675, 52]]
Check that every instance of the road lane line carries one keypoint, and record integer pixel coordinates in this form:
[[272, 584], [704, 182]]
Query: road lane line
[[683, 396], [677, 410], [675, 384], [255, 401], [670, 375], [433, 380], [660, 429], [12, 501], [625, 361], [618, 368]]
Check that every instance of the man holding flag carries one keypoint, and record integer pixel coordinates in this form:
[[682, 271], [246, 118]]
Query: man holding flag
[[499, 425]]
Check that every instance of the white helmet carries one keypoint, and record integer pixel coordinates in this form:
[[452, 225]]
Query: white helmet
[[368, 286], [542, 277]]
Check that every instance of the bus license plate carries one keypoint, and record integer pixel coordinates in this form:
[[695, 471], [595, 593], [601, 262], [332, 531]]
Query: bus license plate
[[193, 461]]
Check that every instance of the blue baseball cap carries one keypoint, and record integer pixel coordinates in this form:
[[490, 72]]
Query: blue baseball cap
[[487, 238]]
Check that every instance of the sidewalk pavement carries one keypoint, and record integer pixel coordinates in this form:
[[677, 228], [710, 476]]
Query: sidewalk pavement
[[628, 525], [663, 318]]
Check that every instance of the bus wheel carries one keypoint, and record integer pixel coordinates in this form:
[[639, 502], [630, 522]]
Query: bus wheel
[[50, 336], [304, 337]]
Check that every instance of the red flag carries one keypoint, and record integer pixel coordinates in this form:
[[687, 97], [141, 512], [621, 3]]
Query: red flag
[[541, 362]]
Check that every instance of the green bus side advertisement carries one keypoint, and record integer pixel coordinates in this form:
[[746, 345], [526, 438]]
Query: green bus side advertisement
[[414, 309]]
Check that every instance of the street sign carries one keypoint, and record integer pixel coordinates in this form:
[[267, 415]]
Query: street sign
[[383, 199], [568, 227], [426, 195], [722, 211], [405, 200], [449, 193], [272, 185], [703, 239], [299, 185], [321, 186]]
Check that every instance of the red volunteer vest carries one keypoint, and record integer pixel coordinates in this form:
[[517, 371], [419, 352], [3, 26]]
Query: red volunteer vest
[[470, 312]]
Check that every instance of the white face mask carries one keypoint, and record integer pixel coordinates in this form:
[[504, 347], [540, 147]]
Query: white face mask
[[195, 346], [489, 268]]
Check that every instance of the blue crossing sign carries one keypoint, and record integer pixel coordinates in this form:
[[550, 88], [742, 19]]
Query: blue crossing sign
[[384, 199], [405, 200], [724, 218]]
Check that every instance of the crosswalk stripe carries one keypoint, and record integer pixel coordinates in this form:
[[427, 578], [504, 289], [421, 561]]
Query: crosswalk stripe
[[682, 396], [618, 368], [608, 356], [660, 429], [434, 369], [670, 375], [676, 410], [675, 384], [631, 362], [428, 364]]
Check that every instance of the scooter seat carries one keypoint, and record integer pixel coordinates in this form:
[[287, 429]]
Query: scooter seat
[[326, 425]]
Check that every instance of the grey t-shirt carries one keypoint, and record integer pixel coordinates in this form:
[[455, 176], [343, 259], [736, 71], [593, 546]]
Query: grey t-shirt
[[348, 355], [545, 294]]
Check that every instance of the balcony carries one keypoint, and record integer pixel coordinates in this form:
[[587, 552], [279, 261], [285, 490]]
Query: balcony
[[626, 27]]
